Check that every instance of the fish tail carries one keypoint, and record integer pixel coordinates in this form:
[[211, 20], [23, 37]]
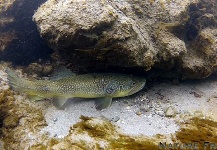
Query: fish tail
[[15, 83], [23, 85]]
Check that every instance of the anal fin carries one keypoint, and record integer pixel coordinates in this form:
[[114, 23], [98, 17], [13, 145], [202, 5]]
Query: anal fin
[[59, 102], [102, 103]]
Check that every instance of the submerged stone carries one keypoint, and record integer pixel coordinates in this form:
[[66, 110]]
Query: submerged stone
[[173, 36]]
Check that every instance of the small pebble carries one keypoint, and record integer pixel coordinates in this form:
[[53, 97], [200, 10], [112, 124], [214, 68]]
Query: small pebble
[[145, 108], [126, 102], [123, 122], [138, 112], [197, 94], [128, 107], [198, 114], [116, 118], [55, 120], [186, 116], [160, 113], [170, 112]]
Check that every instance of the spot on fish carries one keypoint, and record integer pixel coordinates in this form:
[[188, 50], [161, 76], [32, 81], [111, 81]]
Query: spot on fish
[[45, 89]]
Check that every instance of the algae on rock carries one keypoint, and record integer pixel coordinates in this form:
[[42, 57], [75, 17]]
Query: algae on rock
[[197, 130]]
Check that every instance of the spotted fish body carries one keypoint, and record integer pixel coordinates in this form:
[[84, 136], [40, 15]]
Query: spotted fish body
[[102, 86]]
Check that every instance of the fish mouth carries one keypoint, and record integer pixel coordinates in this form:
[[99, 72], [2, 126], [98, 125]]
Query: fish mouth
[[137, 88]]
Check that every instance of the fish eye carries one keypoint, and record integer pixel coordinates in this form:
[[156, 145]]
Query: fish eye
[[133, 83]]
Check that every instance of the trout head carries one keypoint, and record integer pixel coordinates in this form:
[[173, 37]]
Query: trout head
[[124, 86]]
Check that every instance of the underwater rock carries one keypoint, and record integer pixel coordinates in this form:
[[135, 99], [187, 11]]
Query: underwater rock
[[5, 39], [39, 69], [201, 60], [5, 20], [170, 35], [170, 112], [106, 31], [5, 4], [5, 36]]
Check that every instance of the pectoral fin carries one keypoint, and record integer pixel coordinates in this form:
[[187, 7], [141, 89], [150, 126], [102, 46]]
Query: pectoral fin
[[59, 102], [34, 97], [102, 103]]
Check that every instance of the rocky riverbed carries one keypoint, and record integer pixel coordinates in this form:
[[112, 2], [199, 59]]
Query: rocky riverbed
[[162, 112]]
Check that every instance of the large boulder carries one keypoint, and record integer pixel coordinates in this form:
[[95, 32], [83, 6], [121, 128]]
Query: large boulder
[[171, 35]]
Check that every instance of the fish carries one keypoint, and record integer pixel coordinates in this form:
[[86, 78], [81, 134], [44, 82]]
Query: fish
[[64, 84]]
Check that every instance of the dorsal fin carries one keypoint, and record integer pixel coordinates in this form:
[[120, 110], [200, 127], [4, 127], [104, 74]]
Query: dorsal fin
[[61, 72]]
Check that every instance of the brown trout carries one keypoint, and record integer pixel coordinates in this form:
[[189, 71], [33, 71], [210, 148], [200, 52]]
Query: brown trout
[[65, 85]]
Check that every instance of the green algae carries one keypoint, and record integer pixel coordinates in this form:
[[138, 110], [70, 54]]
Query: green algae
[[198, 130], [48, 145], [108, 132], [128, 143], [100, 131], [38, 147], [11, 121], [194, 130]]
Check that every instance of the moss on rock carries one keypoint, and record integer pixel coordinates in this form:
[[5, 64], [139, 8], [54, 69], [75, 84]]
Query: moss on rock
[[198, 130]]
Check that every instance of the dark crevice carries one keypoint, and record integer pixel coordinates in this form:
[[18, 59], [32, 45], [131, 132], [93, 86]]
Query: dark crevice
[[28, 46]]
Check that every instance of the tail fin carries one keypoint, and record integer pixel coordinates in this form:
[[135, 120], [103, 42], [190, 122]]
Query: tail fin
[[22, 85], [14, 81]]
